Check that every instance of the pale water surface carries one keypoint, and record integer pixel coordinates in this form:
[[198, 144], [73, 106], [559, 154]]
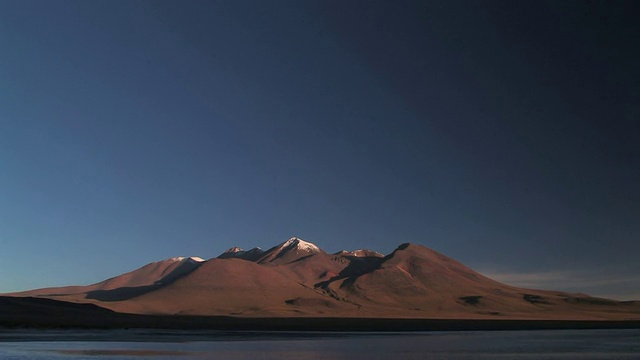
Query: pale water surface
[[137, 344]]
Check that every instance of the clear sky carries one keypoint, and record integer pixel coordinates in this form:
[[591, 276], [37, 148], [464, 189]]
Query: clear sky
[[503, 134]]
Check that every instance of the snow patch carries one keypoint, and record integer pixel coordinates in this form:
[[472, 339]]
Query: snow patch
[[360, 253], [234, 250], [183, 258], [300, 244]]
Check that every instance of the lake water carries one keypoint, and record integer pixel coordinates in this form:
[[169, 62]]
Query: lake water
[[138, 344]]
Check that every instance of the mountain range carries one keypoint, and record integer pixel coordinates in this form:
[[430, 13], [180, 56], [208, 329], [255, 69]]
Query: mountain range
[[298, 279]]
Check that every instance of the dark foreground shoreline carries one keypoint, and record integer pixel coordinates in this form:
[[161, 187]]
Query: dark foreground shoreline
[[36, 313]]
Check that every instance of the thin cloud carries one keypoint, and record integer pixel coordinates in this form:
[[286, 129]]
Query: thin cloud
[[592, 283]]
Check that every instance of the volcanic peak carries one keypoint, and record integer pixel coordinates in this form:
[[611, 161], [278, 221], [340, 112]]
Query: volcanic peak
[[299, 244], [233, 252]]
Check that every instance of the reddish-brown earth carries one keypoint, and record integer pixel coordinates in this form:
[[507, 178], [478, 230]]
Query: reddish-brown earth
[[298, 279]]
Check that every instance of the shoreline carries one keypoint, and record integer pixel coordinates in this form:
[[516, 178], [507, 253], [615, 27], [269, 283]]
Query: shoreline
[[228, 323], [38, 313]]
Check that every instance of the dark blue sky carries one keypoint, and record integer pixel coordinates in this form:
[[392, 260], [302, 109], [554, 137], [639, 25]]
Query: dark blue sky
[[504, 134]]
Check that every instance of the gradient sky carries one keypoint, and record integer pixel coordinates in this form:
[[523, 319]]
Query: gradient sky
[[503, 134]]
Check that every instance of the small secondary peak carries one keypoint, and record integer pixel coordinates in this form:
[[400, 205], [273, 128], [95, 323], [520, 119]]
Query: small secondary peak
[[238, 253], [360, 253], [190, 258], [366, 253]]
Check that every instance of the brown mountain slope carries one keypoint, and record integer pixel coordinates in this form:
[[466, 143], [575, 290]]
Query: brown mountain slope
[[233, 287], [148, 277], [414, 280], [296, 278]]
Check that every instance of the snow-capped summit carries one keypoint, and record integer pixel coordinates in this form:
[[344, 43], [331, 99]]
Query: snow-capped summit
[[190, 258], [290, 250], [231, 253], [238, 253], [299, 244]]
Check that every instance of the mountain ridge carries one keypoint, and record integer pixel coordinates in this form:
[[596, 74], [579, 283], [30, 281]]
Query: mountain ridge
[[297, 278]]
